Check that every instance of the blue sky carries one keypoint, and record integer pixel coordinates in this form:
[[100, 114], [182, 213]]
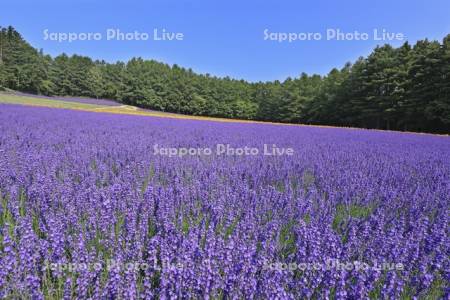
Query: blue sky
[[227, 37]]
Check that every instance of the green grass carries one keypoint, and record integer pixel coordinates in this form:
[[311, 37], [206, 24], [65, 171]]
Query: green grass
[[32, 101], [287, 239], [343, 215]]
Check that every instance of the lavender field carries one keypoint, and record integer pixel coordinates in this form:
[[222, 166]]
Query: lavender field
[[88, 210]]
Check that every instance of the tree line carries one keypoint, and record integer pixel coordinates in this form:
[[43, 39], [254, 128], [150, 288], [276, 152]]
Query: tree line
[[404, 88]]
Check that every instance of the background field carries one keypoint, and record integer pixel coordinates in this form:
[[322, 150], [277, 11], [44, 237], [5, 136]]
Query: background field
[[117, 108], [61, 102]]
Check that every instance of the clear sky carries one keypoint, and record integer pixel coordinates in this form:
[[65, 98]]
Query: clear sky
[[227, 37]]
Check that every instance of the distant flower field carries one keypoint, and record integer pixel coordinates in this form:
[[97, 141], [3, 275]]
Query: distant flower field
[[88, 210], [103, 102]]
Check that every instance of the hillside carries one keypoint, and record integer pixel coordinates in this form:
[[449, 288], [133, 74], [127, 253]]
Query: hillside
[[405, 88]]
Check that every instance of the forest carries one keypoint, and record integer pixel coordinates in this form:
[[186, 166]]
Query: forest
[[405, 88]]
